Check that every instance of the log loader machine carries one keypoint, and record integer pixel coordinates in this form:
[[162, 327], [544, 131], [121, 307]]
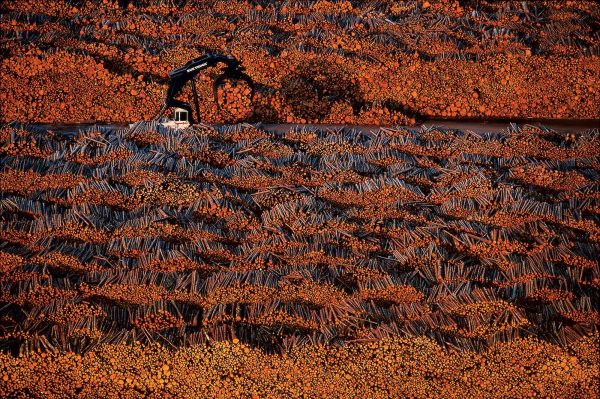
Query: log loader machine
[[178, 78]]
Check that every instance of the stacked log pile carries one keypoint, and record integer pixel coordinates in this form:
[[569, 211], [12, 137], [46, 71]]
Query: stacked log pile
[[257, 241], [315, 61]]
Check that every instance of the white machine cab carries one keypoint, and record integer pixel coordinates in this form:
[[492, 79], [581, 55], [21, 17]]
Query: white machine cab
[[180, 120]]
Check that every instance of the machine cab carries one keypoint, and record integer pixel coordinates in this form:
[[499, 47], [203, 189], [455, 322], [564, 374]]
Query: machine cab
[[180, 120], [181, 116]]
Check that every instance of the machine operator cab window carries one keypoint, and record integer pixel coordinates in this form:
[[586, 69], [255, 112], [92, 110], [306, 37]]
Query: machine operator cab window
[[180, 119], [181, 116]]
